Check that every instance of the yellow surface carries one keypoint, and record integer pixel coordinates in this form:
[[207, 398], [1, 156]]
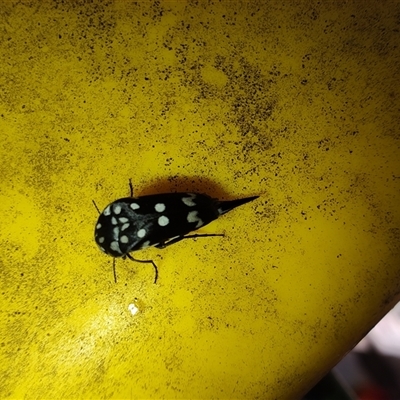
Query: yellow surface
[[297, 103]]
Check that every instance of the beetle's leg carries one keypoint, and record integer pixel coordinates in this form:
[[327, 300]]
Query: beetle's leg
[[146, 262], [163, 245]]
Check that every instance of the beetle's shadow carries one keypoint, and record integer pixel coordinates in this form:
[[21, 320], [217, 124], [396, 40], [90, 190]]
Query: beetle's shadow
[[193, 184]]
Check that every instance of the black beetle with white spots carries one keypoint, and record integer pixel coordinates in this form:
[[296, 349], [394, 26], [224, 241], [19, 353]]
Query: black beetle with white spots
[[130, 224]]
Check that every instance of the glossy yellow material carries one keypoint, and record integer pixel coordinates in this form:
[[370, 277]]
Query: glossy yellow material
[[298, 103]]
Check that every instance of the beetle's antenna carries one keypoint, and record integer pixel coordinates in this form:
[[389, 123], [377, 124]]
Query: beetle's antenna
[[131, 186], [97, 208]]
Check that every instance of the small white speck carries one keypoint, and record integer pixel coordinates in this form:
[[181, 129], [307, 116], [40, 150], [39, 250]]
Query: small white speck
[[134, 206], [117, 209], [115, 246], [124, 239], [124, 226], [141, 233], [114, 221], [98, 226], [133, 309], [163, 220], [100, 240], [160, 207], [145, 244], [116, 232], [123, 220], [107, 211]]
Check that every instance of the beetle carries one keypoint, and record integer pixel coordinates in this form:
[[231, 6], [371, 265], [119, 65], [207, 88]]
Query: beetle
[[134, 223]]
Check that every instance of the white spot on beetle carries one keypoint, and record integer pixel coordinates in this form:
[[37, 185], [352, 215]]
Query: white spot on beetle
[[141, 233], [115, 246], [145, 244], [124, 226], [163, 220], [134, 206], [159, 207], [100, 240], [107, 211], [193, 217], [114, 221], [189, 200], [115, 232], [117, 209], [123, 220], [98, 226], [124, 239]]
